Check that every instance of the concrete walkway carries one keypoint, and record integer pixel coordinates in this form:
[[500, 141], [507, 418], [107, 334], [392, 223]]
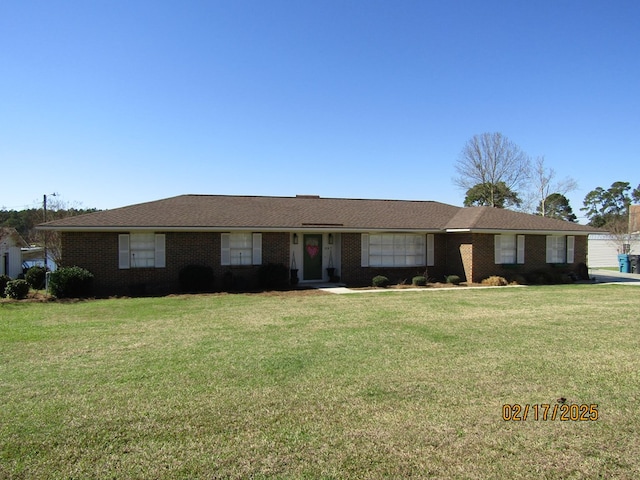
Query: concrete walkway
[[601, 277], [341, 290], [611, 276]]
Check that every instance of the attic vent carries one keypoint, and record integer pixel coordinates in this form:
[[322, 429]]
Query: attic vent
[[307, 196]]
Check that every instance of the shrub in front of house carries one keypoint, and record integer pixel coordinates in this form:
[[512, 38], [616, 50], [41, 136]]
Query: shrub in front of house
[[4, 279], [453, 279], [569, 277], [582, 271], [380, 281], [35, 277], [71, 282], [518, 280], [538, 277], [17, 289], [419, 281], [227, 281], [196, 278], [273, 275], [495, 281]]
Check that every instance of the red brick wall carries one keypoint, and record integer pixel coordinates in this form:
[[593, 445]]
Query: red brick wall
[[356, 275], [439, 270], [459, 255], [350, 260], [483, 257], [471, 256], [581, 250], [275, 249], [98, 253], [535, 258]]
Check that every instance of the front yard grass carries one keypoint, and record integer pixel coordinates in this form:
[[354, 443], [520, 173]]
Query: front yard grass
[[313, 385]]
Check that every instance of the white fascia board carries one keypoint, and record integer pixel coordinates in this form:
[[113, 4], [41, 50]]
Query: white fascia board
[[160, 228], [236, 228], [320, 228], [518, 232]]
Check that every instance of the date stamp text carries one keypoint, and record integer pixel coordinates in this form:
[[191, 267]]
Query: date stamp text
[[547, 412]]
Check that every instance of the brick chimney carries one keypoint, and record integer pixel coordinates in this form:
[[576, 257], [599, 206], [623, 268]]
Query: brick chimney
[[634, 218]]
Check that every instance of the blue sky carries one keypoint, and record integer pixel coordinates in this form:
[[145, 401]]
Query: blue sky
[[111, 102]]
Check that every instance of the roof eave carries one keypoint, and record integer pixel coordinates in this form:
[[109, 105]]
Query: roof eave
[[519, 231], [305, 228]]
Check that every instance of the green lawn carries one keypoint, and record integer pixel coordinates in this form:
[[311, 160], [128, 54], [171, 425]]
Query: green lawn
[[390, 385]]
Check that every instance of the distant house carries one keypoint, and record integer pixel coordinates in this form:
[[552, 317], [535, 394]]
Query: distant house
[[604, 248], [143, 247], [33, 256], [11, 244]]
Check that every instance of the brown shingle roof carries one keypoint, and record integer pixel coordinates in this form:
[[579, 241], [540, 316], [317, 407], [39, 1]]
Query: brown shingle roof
[[220, 211], [194, 212], [488, 218]]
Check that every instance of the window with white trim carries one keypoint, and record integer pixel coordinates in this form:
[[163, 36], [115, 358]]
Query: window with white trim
[[241, 249], [560, 248], [141, 250], [508, 249], [396, 250]]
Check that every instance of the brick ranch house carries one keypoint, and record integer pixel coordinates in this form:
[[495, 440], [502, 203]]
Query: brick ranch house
[[143, 247]]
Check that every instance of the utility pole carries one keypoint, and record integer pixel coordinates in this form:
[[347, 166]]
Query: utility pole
[[44, 208]]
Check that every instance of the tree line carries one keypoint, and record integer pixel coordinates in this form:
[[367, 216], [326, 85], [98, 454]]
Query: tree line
[[494, 171], [25, 221], [491, 169]]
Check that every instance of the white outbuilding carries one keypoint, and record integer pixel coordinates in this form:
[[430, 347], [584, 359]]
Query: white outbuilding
[[603, 249], [11, 244]]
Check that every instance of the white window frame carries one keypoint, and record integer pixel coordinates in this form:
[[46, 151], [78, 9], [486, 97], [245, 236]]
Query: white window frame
[[561, 248], [149, 247], [396, 250], [241, 249], [508, 249]]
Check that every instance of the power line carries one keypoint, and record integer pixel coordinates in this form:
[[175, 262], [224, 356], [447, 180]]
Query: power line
[[22, 207]]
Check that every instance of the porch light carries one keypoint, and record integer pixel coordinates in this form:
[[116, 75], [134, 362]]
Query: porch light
[[295, 238], [331, 239]]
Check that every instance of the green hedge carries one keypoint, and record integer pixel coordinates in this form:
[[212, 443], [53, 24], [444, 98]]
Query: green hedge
[[17, 289], [4, 279], [196, 278], [453, 279], [36, 277], [419, 281], [380, 281], [273, 275], [71, 282]]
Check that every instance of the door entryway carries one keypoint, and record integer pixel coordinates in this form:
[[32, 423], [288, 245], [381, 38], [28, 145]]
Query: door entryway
[[312, 257]]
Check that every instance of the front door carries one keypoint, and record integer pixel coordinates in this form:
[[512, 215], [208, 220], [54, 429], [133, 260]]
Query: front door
[[312, 257]]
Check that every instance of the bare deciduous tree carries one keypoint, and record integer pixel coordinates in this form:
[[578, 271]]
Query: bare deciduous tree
[[620, 233], [56, 210], [491, 159], [544, 184]]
